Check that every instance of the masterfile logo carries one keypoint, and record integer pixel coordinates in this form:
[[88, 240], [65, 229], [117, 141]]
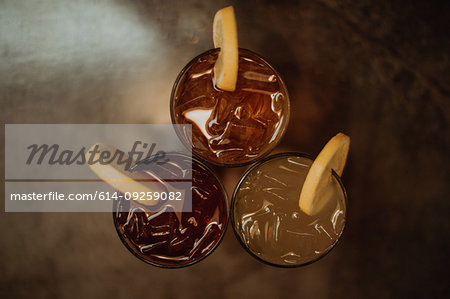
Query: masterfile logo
[[64, 167]]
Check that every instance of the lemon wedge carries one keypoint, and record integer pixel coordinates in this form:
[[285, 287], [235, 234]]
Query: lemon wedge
[[315, 192], [225, 38], [114, 174]]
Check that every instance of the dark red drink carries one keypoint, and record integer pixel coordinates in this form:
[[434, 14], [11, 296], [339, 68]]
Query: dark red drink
[[231, 128], [175, 239]]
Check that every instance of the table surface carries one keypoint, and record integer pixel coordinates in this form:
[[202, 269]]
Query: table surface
[[377, 70]]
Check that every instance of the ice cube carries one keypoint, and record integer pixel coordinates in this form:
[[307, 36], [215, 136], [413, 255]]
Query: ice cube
[[211, 233]]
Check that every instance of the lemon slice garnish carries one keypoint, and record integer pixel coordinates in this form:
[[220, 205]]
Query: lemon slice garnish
[[117, 177], [315, 194], [225, 38]]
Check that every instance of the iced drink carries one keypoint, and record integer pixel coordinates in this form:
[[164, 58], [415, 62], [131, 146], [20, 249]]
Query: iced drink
[[231, 128], [267, 219], [172, 239]]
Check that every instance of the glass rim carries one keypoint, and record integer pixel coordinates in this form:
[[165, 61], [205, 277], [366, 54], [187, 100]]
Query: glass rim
[[269, 149], [233, 203], [224, 230]]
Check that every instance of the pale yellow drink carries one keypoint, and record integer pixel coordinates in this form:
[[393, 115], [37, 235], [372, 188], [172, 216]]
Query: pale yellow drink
[[267, 218]]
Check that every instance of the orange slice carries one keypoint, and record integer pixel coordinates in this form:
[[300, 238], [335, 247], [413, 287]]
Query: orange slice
[[124, 181], [314, 195], [225, 38]]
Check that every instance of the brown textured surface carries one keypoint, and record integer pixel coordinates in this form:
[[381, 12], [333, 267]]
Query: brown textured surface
[[376, 70]]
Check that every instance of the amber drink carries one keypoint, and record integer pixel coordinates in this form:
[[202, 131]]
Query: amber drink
[[167, 238], [267, 219], [231, 128]]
